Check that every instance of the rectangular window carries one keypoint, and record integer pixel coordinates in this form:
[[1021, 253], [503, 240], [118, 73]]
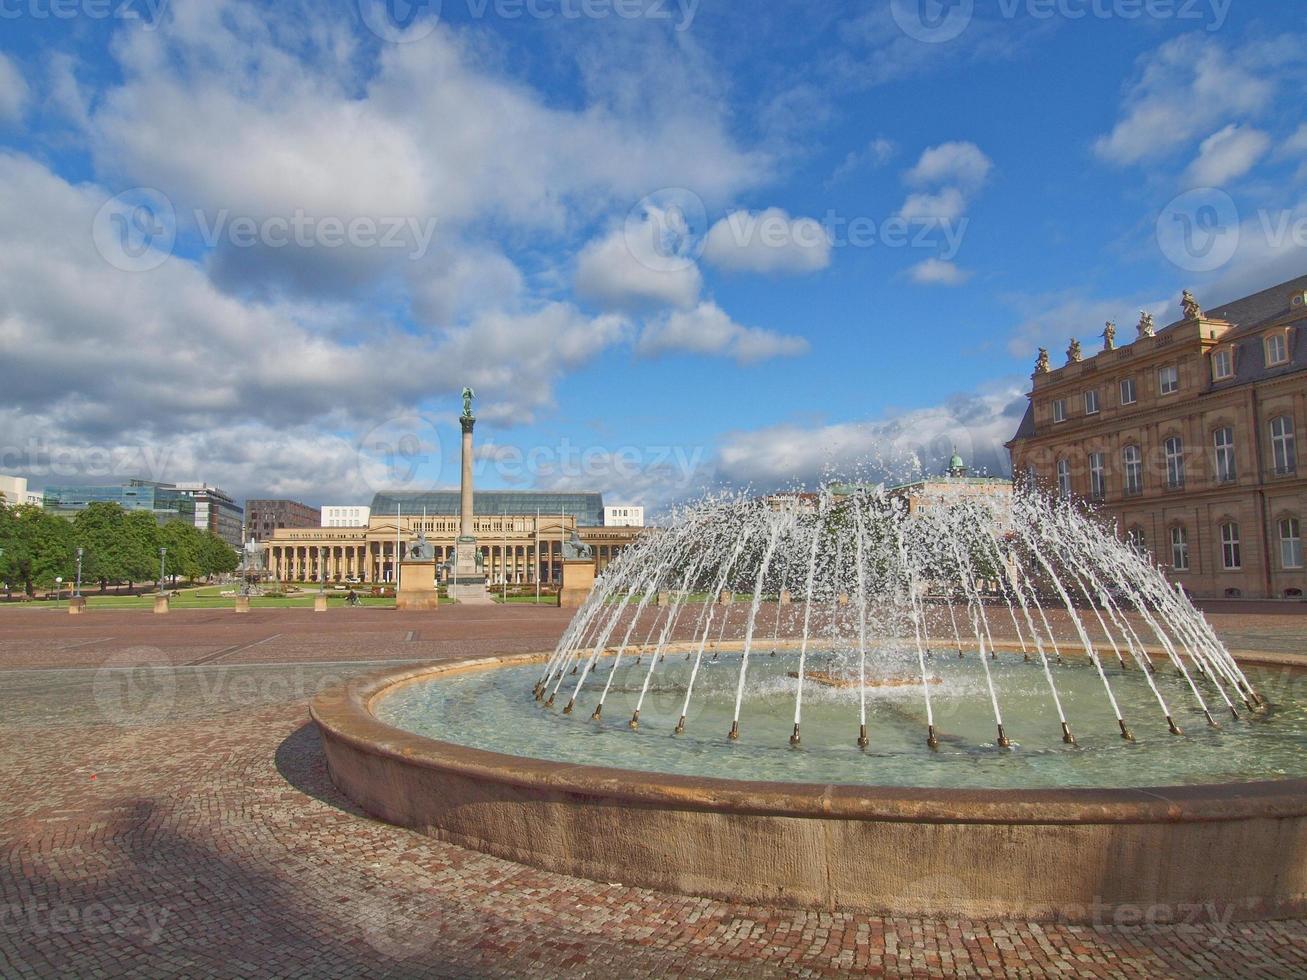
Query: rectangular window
[[1284, 447], [1223, 439], [1134, 470], [1168, 380], [1290, 543], [1222, 365], [1128, 391], [1097, 483], [1277, 351], [1064, 478], [1059, 410], [1091, 402], [1230, 555], [1174, 463], [1179, 549]]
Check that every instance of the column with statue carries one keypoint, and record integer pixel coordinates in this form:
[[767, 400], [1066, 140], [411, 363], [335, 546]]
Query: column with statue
[[468, 581]]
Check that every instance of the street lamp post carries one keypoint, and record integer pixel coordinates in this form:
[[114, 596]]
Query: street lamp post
[[58, 587], [163, 556], [322, 571], [78, 593]]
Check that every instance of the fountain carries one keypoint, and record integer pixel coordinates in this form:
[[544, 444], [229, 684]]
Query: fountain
[[981, 707]]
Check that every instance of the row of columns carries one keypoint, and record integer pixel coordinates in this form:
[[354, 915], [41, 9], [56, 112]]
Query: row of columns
[[375, 561]]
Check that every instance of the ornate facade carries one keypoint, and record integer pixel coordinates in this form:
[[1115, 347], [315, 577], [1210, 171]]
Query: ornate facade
[[1189, 438]]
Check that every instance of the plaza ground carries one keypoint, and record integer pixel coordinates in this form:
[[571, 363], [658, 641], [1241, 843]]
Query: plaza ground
[[180, 821]]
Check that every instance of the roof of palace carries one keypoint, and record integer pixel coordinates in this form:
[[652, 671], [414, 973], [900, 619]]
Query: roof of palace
[[586, 506], [1246, 315]]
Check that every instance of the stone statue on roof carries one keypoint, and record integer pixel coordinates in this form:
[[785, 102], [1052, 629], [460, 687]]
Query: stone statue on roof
[[1041, 362], [1192, 311], [1073, 353], [1109, 336], [1146, 328]]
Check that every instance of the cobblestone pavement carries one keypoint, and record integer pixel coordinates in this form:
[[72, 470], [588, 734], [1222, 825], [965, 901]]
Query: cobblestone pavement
[[181, 822]]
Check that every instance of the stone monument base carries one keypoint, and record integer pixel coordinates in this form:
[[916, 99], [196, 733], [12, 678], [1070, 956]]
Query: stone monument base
[[320, 602], [242, 603], [468, 584], [578, 582], [417, 586], [76, 605], [160, 604]]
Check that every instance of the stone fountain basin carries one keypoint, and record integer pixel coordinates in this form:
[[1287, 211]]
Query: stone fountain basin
[[1166, 854]]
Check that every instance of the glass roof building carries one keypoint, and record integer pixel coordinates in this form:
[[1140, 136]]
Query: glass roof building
[[587, 508], [166, 502]]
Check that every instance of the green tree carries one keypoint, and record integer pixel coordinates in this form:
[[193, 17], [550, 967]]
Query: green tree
[[99, 529], [38, 547], [140, 546], [217, 557], [184, 543]]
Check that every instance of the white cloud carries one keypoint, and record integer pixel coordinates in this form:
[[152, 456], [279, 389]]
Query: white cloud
[[1227, 155], [1190, 85], [769, 241], [877, 153], [625, 270], [900, 446], [459, 280], [1296, 144], [707, 329], [937, 272], [13, 91], [948, 204], [960, 163]]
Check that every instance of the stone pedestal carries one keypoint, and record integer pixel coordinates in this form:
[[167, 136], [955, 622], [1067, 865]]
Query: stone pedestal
[[663, 599], [469, 582], [578, 581], [76, 605], [786, 597], [160, 604], [844, 599], [726, 598], [417, 586], [242, 603], [320, 602]]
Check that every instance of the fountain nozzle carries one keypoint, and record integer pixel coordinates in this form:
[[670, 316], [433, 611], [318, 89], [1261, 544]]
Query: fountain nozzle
[[1210, 720], [550, 702], [598, 713], [794, 739], [570, 705], [1003, 741], [1175, 729], [680, 727], [1125, 732], [1067, 737], [634, 723], [931, 739], [863, 741], [734, 734]]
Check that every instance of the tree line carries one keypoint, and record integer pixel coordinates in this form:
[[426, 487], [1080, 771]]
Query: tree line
[[118, 545]]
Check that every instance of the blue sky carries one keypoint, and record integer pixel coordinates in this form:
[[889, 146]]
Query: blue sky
[[671, 245]]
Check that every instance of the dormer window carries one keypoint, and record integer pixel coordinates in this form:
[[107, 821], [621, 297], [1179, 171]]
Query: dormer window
[[1222, 364], [1277, 349]]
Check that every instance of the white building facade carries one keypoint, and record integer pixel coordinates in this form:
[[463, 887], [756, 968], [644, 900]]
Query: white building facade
[[346, 516], [624, 516]]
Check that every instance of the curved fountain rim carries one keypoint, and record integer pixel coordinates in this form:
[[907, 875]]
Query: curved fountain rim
[[345, 711]]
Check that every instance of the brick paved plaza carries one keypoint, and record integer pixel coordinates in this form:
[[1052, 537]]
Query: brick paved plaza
[[181, 822]]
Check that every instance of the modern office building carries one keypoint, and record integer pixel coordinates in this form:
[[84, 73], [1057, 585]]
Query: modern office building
[[624, 516], [216, 512], [163, 500], [1187, 438], [520, 534], [263, 518], [345, 516]]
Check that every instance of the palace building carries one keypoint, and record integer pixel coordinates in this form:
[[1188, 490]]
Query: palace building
[[1187, 437]]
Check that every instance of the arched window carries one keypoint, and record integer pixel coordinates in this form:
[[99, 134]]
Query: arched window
[[1064, 478], [1290, 543], [1231, 555], [1179, 548], [1134, 470], [1284, 448]]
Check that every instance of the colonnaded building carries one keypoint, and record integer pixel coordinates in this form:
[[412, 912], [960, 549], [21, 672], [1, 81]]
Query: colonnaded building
[[520, 535], [1187, 437]]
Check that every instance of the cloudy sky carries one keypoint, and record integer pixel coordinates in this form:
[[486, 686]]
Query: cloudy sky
[[671, 243]]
